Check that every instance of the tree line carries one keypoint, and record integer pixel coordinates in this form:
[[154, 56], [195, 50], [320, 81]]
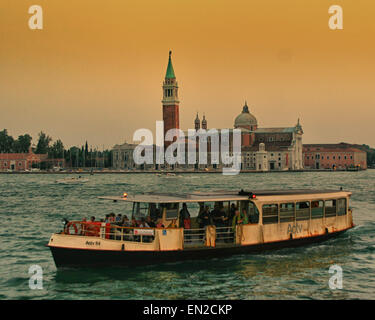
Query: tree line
[[370, 154], [74, 156]]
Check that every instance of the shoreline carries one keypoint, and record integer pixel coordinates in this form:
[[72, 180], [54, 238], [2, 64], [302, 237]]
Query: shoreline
[[171, 172]]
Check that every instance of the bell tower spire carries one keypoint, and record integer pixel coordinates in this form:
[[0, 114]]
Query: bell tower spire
[[170, 100]]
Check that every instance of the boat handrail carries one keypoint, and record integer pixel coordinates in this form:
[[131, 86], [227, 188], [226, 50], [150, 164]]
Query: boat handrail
[[109, 231]]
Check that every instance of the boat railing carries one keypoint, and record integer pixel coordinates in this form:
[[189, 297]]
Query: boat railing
[[109, 231], [224, 234], [194, 236]]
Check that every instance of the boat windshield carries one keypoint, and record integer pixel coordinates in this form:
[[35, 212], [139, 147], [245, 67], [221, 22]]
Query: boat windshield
[[143, 209]]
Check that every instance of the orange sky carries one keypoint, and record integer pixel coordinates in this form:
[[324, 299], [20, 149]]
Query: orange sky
[[96, 69]]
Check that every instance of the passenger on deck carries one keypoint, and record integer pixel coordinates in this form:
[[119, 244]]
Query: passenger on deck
[[205, 217], [143, 223], [112, 218], [150, 222], [134, 223], [154, 212], [217, 216], [232, 213], [125, 221], [160, 224], [185, 217], [118, 219], [239, 218]]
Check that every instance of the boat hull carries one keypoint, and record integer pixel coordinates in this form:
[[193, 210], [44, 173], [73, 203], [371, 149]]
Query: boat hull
[[73, 257]]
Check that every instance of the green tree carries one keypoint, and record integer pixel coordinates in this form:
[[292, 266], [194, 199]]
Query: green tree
[[23, 143], [43, 143], [6, 142], [57, 150]]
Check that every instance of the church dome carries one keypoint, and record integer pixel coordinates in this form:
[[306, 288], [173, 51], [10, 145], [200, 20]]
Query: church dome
[[245, 119]]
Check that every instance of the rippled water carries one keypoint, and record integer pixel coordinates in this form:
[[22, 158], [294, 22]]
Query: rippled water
[[32, 206]]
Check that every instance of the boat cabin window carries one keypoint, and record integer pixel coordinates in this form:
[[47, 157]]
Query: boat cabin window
[[330, 208], [341, 207], [140, 210], [317, 209], [287, 212], [270, 213], [156, 212], [303, 210], [253, 213], [171, 211]]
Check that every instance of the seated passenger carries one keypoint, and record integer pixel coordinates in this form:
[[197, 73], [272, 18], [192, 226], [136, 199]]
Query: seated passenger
[[143, 223], [125, 222], [134, 223], [118, 219], [150, 222], [160, 224]]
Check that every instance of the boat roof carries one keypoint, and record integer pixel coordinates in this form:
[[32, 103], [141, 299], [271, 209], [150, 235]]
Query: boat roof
[[229, 195]]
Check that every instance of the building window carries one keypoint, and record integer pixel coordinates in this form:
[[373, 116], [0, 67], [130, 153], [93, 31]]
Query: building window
[[327, 157]]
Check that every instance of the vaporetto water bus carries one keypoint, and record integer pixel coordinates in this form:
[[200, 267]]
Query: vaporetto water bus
[[263, 220]]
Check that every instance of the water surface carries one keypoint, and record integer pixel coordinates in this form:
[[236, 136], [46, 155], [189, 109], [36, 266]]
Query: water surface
[[32, 207]]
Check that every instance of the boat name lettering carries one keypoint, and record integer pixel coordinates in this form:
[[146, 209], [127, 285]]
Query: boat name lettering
[[294, 228], [93, 243]]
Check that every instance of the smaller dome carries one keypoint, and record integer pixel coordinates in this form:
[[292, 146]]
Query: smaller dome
[[245, 118]]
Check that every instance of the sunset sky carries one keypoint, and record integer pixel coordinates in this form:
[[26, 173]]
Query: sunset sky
[[96, 69]]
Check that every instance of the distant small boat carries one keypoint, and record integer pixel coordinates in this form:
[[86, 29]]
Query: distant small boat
[[168, 174], [73, 180]]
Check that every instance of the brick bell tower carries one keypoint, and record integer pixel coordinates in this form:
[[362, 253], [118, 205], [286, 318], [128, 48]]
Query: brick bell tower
[[170, 101]]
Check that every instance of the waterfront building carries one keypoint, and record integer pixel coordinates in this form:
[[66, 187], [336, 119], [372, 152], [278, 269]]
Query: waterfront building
[[122, 156], [26, 161], [334, 156]]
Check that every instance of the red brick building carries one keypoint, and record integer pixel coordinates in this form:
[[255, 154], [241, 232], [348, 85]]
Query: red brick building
[[333, 156], [25, 161], [18, 161]]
